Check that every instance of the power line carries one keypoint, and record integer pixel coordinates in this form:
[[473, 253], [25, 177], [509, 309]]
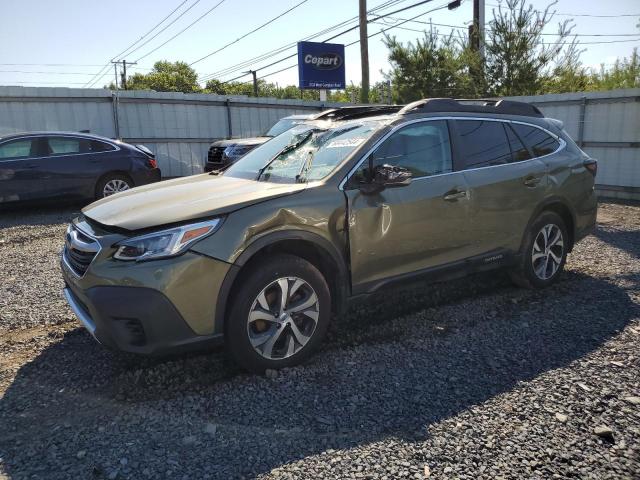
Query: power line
[[580, 14], [183, 30], [459, 27], [250, 32], [542, 43], [358, 41], [164, 28], [271, 53], [93, 81], [349, 30], [126, 52]]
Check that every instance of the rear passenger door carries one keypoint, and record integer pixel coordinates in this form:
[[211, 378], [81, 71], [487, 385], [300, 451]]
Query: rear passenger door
[[74, 164], [506, 183]]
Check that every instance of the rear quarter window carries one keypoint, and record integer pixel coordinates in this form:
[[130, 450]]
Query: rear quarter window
[[539, 141], [98, 146]]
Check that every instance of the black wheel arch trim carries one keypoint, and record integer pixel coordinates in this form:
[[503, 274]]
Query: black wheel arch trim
[[342, 289], [544, 205]]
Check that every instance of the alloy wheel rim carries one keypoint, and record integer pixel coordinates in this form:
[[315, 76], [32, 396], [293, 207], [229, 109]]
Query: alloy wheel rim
[[547, 252], [114, 186], [283, 318]]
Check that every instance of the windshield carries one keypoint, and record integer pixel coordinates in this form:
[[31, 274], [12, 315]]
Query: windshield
[[282, 126], [304, 153]]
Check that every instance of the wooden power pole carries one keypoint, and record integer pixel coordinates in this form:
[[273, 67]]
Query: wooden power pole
[[364, 52]]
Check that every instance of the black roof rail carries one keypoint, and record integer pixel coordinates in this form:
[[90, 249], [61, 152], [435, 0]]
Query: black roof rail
[[478, 105], [356, 111]]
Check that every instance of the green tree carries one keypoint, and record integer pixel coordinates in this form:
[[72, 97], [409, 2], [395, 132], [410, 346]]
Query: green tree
[[433, 67], [518, 57], [166, 77]]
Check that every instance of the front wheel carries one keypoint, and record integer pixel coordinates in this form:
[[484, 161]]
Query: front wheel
[[544, 253], [279, 314]]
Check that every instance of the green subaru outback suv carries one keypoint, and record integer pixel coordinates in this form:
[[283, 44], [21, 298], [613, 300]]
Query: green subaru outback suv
[[266, 253]]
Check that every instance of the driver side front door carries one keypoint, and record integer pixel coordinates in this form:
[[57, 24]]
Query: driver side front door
[[410, 229]]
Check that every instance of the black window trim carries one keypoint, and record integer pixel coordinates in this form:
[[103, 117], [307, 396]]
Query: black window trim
[[454, 137], [43, 136]]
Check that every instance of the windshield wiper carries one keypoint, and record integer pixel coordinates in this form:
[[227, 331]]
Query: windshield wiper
[[301, 177], [287, 149]]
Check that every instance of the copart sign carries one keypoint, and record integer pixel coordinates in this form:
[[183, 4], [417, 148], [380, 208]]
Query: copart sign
[[321, 65]]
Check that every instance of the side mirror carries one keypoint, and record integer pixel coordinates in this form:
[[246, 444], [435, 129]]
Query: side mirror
[[390, 176]]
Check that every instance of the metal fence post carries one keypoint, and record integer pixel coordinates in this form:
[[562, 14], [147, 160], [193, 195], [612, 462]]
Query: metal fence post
[[583, 111], [229, 124], [116, 123]]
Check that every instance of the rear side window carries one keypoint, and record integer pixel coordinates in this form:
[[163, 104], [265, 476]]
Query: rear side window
[[540, 142], [518, 151], [23, 148], [64, 145], [98, 146], [424, 149], [484, 143]]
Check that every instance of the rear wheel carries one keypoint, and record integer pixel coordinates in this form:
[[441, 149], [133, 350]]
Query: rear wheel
[[544, 253], [279, 314], [112, 183]]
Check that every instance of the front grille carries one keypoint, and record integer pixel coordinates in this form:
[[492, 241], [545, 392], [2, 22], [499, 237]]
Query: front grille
[[215, 155], [79, 250]]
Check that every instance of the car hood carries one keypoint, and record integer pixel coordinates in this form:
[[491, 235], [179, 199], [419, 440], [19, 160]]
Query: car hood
[[240, 141], [183, 199]]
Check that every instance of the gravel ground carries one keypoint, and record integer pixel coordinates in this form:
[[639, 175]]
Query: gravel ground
[[469, 379]]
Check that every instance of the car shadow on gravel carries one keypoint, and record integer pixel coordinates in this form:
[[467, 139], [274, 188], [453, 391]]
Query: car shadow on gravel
[[389, 371]]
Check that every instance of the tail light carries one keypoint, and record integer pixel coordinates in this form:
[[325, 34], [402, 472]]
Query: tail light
[[151, 162], [592, 166]]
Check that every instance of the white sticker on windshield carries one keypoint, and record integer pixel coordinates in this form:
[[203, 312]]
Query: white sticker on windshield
[[345, 142]]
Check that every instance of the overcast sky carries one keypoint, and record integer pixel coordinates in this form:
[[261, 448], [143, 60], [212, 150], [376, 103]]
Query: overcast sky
[[83, 35]]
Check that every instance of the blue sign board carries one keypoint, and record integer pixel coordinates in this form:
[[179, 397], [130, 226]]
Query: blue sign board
[[321, 65]]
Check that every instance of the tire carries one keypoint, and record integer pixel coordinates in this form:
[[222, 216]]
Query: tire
[[260, 335], [112, 183], [540, 266]]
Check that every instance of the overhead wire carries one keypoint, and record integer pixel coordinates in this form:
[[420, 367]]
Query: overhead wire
[[249, 32], [344, 32], [182, 31], [265, 55], [100, 74]]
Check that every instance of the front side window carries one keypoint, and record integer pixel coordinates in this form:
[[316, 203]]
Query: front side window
[[484, 143], [23, 148], [540, 142], [423, 149]]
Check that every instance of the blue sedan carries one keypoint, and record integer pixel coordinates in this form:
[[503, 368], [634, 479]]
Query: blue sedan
[[42, 165]]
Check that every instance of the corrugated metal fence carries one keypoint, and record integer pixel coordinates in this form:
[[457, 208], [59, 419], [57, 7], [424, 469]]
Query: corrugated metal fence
[[179, 127], [606, 125]]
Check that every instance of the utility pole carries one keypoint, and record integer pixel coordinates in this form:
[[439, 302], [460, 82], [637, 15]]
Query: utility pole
[[477, 37], [115, 72], [123, 75], [364, 52], [255, 81]]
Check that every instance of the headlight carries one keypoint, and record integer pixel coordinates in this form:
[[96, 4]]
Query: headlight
[[167, 243]]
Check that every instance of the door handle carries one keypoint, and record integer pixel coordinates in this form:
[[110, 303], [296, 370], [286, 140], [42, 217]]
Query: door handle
[[532, 181], [454, 195]]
